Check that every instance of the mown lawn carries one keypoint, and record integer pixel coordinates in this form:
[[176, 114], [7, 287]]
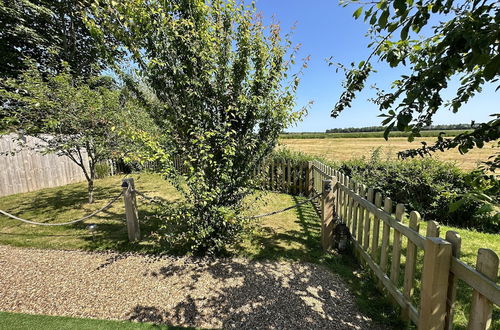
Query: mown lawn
[[292, 235], [19, 321]]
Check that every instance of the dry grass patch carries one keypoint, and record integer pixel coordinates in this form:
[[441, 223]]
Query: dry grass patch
[[349, 148]]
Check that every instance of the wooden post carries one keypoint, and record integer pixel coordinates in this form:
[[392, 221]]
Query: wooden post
[[481, 307], [385, 236], [410, 265], [456, 244], [361, 214], [376, 227], [134, 232], [437, 260], [327, 205], [301, 179], [396, 246], [283, 177], [289, 176], [349, 207], [366, 227], [346, 200]]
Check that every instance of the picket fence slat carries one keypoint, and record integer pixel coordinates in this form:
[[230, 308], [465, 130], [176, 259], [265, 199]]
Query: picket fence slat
[[416, 238]]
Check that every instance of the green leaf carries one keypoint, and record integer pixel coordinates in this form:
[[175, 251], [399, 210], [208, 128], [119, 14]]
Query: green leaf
[[358, 12], [382, 21], [492, 68], [404, 31], [388, 130]]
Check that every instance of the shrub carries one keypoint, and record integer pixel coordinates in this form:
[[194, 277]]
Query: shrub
[[428, 186], [102, 170]]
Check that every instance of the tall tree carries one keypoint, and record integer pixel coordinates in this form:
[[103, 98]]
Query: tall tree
[[222, 80], [464, 42]]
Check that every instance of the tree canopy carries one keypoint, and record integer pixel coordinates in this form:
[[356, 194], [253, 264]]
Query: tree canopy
[[463, 44], [49, 33], [222, 80]]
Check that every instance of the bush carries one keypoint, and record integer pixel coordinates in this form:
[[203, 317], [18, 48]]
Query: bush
[[181, 231], [102, 170], [428, 186], [437, 190]]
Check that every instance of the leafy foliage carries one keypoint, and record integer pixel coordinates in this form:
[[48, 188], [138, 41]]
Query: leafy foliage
[[49, 33], [463, 43], [70, 117], [437, 190], [221, 79]]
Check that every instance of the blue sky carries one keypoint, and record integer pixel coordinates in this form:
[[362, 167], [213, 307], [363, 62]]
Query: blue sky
[[324, 28]]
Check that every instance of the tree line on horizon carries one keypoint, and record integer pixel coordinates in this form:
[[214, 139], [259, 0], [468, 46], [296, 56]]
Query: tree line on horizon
[[443, 127]]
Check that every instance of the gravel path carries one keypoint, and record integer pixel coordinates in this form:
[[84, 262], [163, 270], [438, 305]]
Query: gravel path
[[220, 293]]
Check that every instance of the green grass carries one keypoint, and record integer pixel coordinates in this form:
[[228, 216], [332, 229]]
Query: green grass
[[293, 236], [19, 321], [70, 202], [323, 135]]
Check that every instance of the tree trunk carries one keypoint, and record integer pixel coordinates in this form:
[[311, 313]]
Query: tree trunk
[[90, 185]]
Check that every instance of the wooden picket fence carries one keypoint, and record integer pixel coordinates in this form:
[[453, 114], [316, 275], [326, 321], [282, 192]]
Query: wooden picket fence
[[284, 176], [378, 230]]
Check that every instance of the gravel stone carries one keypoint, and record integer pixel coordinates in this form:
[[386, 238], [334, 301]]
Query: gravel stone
[[209, 293]]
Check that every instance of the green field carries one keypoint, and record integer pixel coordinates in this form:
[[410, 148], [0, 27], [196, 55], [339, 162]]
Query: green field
[[323, 135]]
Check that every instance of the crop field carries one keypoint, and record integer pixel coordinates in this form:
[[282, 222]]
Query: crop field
[[340, 149], [379, 134]]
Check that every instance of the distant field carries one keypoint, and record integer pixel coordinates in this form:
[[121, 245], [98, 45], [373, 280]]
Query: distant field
[[349, 148], [321, 135]]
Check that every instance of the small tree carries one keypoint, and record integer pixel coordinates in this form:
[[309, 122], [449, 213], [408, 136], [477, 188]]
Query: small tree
[[71, 118], [222, 79]]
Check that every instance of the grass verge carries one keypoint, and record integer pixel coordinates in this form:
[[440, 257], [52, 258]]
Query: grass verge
[[20, 321]]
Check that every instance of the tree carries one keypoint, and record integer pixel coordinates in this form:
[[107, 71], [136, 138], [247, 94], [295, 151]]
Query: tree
[[463, 43], [48, 32], [221, 78], [79, 120]]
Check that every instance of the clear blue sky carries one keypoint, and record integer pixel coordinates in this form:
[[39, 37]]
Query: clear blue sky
[[324, 28]]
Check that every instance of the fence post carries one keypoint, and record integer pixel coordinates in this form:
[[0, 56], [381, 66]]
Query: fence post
[[481, 307], [134, 232], [309, 179], [437, 260], [410, 265], [456, 244], [327, 205]]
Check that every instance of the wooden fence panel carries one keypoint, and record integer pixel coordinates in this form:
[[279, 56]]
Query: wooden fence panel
[[396, 246], [28, 170], [481, 308]]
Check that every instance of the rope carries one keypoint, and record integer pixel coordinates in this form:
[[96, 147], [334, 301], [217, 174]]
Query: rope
[[286, 208], [63, 223], [152, 199]]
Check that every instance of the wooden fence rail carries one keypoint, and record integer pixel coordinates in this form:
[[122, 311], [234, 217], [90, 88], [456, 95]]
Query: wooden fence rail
[[379, 228]]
